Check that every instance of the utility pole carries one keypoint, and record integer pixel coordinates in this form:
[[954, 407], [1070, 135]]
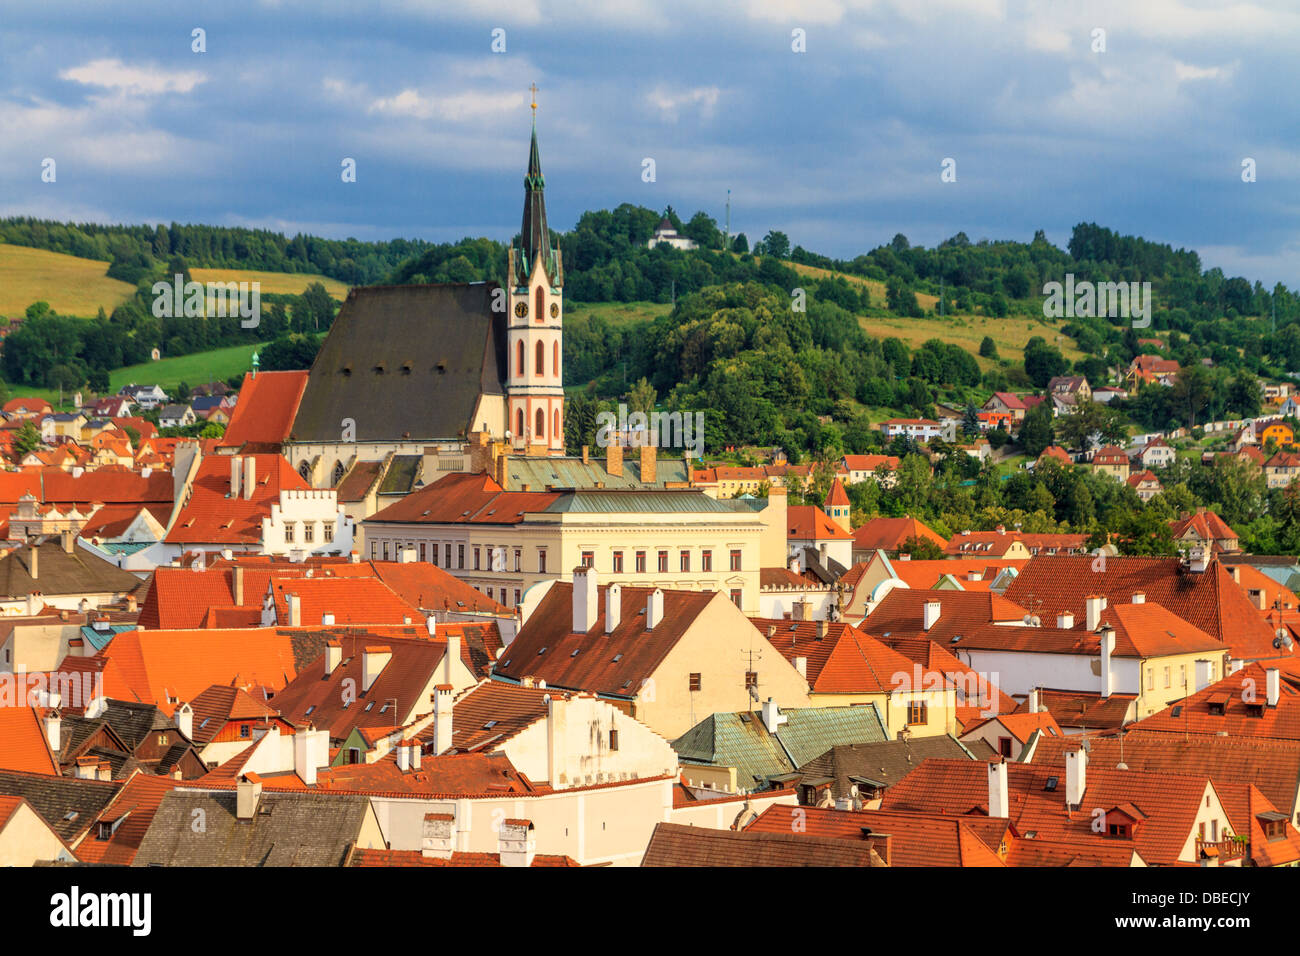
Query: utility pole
[[726, 244]]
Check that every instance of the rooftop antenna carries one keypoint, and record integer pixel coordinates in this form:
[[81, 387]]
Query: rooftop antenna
[[726, 244], [752, 691]]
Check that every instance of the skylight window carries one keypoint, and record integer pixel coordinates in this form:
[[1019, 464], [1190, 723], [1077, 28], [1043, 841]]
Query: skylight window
[[575, 652], [541, 652], [1051, 783], [308, 711], [489, 725], [617, 658]]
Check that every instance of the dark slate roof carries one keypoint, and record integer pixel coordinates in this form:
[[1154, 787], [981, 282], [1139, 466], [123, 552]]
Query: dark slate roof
[[675, 844], [288, 829], [883, 763], [61, 572], [132, 720], [405, 361], [55, 798]]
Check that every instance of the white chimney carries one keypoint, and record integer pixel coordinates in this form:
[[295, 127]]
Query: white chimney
[[772, 716], [1065, 620], [236, 468], [794, 563], [327, 620], [406, 555], [247, 794], [96, 707], [333, 656], [516, 844], [999, 801], [1035, 701], [185, 721], [431, 625], [307, 753], [295, 610], [654, 609], [585, 603], [1107, 649], [404, 756], [1092, 606], [1197, 560], [801, 665], [250, 476], [438, 839], [613, 607], [53, 727], [1273, 683], [1235, 664], [450, 656], [1139, 598], [373, 660], [930, 614], [1201, 670], [1076, 776], [442, 719]]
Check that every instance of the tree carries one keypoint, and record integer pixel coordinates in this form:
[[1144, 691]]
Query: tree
[[921, 549], [27, 439], [777, 245], [641, 397], [988, 348], [740, 244], [1036, 431], [970, 423], [1043, 362], [317, 306]]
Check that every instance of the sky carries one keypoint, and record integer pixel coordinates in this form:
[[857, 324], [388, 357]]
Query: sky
[[840, 144]]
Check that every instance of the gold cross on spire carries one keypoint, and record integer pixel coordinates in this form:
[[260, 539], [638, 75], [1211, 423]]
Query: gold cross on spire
[[533, 89]]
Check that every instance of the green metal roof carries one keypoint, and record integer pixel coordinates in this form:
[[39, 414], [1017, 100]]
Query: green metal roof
[[400, 479], [539, 473]]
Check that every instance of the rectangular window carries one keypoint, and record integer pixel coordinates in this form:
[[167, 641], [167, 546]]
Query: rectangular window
[[695, 682], [706, 561], [541, 560], [446, 555], [329, 532], [735, 596], [686, 561], [640, 562], [476, 559], [489, 592], [1151, 678], [618, 562], [460, 556], [1168, 677], [735, 561], [519, 559], [288, 532], [423, 551], [588, 559], [308, 532], [516, 597], [383, 550], [663, 562], [613, 740], [917, 712], [374, 550]]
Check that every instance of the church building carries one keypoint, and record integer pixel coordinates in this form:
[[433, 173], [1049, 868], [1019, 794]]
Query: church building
[[434, 371]]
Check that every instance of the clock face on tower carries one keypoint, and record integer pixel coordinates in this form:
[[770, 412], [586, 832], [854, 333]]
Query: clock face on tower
[[555, 310], [521, 309]]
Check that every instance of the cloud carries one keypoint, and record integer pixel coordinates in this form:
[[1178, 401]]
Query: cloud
[[113, 74], [671, 103], [1185, 71], [452, 108]]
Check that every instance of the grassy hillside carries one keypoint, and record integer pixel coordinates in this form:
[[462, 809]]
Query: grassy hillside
[[1009, 334], [70, 285], [285, 283]]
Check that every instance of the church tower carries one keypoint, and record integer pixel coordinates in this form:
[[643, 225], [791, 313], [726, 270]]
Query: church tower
[[535, 276]]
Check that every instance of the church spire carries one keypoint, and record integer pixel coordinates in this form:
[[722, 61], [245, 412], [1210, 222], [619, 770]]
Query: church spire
[[534, 236]]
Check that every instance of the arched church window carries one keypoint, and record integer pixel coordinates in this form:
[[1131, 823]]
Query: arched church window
[[539, 366], [541, 425], [519, 359]]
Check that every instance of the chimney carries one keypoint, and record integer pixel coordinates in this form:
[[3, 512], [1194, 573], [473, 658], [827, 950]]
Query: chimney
[[450, 656], [1259, 599], [33, 560], [801, 665], [1139, 598], [1273, 683], [930, 614], [1065, 620], [185, 721], [1197, 560], [250, 476], [613, 607], [404, 755], [772, 716], [1107, 649], [236, 467], [999, 801], [406, 555], [614, 458], [654, 609], [1092, 606], [310, 751], [238, 578], [442, 719], [794, 563], [96, 707], [1076, 777], [295, 610], [585, 602], [247, 794], [53, 725], [438, 839], [586, 454], [66, 538], [1235, 664], [333, 656], [823, 629], [1035, 701], [516, 844], [1201, 672], [648, 461], [327, 620], [87, 768], [373, 660]]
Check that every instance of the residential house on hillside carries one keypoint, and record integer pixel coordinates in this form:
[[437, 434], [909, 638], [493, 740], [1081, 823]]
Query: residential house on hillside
[[1282, 469], [1111, 460], [1145, 483], [891, 535], [1206, 530]]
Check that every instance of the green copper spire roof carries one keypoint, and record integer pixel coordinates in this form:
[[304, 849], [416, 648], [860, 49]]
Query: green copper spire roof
[[534, 235]]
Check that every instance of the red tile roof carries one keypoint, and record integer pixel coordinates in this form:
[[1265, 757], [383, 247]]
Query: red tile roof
[[888, 534], [268, 402], [837, 495], [369, 858], [1205, 525], [211, 516], [24, 747], [900, 613], [1241, 698], [465, 498], [350, 600], [808, 522], [134, 806], [870, 462], [844, 661]]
